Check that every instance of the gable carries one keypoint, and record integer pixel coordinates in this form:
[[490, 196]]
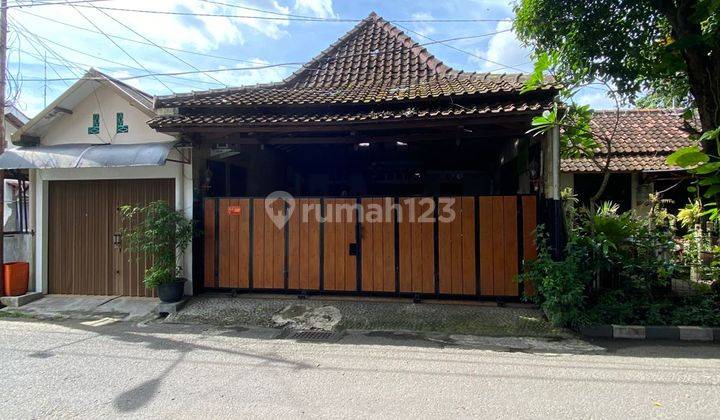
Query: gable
[[374, 52], [94, 120]]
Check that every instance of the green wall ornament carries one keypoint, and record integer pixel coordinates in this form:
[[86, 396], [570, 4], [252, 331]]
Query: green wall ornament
[[95, 129], [120, 127]]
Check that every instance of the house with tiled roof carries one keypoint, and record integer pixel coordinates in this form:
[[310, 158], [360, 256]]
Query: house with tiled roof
[[374, 122], [87, 154], [642, 139]]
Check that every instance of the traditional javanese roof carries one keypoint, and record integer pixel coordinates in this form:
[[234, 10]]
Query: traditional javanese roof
[[642, 139], [374, 65]]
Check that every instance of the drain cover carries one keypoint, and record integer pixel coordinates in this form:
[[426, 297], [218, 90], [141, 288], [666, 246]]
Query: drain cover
[[314, 336]]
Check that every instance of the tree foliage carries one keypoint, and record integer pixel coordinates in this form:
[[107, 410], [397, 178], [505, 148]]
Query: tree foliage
[[578, 139], [668, 48]]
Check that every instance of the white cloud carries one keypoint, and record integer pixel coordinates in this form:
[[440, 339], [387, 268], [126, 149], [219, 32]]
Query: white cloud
[[503, 50], [597, 98], [423, 28], [202, 33], [251, 77], [319, 8]]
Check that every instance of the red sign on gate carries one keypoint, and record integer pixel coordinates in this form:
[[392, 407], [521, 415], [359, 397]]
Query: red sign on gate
[[234, 210]]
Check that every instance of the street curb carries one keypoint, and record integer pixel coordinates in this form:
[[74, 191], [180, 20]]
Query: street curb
[[165, 309], [22, 300], [636, 332]]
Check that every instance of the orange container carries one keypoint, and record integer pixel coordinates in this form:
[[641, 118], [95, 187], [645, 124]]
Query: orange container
[[15, 282]]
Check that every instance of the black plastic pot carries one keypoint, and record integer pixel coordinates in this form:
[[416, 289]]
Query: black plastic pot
[[171, 292]]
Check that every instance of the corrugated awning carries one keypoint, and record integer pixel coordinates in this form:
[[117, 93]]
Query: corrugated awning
[[85, 156]]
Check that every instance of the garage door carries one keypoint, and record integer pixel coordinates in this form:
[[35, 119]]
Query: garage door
[[85, 252]]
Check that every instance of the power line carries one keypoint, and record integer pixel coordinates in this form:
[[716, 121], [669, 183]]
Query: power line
[[81, 65], [461, 50], [260, 67], [123, 65], [121, 48], [178, 73], [134, 40], [50, 3], [287, 16], [158, 46], [231, 58], [24, 33]]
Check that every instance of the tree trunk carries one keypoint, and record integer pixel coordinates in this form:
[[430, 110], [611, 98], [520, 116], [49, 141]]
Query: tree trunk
[[703, 65]]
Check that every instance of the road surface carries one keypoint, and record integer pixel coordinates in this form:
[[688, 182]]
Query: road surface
[[92, 370]]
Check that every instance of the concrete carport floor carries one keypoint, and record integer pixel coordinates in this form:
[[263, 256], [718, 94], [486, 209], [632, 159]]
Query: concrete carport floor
[[84, 306]]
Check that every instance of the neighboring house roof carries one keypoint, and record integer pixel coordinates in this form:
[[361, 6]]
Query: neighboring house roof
[[642, 139], [76, 94], [16, 117], [375, 64]]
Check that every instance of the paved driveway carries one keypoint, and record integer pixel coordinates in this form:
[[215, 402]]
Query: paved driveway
[[94, 370], [80, 306]]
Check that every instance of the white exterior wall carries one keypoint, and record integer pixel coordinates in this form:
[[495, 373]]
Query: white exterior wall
[[73, 129], [181, 173], [107, 103]]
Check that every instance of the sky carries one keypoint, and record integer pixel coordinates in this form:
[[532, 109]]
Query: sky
[[71, 39]]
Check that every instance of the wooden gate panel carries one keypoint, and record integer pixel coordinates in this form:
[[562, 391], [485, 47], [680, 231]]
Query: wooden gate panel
[[319, 254], [456, 246], [234, 241], [417, 246], [339, 267], [304, 246], [510, 231], [378, 245], [498, 246], [268, 246]]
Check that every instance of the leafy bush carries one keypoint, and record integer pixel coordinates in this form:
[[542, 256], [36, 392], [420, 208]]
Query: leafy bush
[[702, 310], [560, 285], [161, 232], [616, 269]]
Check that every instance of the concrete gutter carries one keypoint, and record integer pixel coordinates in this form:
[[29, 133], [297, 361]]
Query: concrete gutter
[[635, 332]]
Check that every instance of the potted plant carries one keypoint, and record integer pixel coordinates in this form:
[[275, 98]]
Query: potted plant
[[163, 233]]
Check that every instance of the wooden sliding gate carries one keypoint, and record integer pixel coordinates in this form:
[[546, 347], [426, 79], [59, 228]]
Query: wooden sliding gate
[[429, 246]]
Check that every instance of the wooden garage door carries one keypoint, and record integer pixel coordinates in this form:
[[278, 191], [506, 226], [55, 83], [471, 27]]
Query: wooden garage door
[[83, 218]]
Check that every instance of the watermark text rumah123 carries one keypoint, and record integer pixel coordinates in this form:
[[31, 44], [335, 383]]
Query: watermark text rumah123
[[280, 207]]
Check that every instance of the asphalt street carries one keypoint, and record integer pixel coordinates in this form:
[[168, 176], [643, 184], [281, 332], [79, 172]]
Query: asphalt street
[[100, 368]]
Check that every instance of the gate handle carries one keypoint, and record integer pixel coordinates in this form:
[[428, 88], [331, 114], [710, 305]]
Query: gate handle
[[117, 238], [352, 249]]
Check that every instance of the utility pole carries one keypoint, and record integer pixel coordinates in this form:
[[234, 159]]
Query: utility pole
[[3, 66]]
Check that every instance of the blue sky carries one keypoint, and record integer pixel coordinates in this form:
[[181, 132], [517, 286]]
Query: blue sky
[[249, 42]]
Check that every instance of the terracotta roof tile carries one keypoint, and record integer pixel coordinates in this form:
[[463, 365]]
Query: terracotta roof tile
[[374, 62], [643, 130], [621, 163], [643, 139], [220, 119]]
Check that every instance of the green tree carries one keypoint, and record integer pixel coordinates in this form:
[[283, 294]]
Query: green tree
[[657, 50], [668, 48]]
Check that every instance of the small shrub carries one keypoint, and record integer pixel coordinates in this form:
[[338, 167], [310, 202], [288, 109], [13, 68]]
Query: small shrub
[[161, 232], [700, 310]]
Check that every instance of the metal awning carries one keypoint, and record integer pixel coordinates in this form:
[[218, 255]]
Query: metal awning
[[86, 156]]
